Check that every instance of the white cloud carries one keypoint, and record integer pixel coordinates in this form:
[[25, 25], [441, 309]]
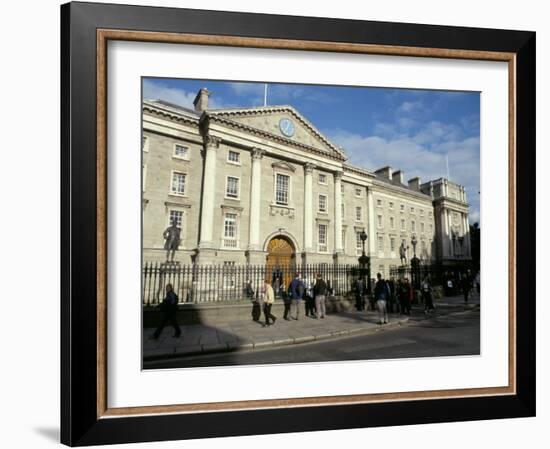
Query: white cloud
[[154, 90]]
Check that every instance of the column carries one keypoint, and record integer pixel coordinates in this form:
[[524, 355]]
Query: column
[[370, 227], [445, 247], [308, 207], [451, 243], [255, 195], [467, 241], [338, 246], [211, 144]]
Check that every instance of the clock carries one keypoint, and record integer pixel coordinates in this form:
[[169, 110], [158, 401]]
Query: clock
[[287, 127]]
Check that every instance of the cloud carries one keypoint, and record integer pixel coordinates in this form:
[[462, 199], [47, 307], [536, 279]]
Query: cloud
[[156, 90]]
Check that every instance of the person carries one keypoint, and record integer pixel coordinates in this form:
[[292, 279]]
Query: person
[[359, 294], [296, 290], [169, 309], [466, 285], [381, 294], [391, 299], [310, 298], [319, 292], [286, 302], [427, 297], [405, 297], [249, 290], [268, 300]]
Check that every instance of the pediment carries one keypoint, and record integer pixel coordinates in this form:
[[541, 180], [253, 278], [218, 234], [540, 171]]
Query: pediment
[[282, 122], [282, 165]]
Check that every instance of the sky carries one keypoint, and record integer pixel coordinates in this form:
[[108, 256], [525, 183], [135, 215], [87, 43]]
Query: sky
[[412, 130]]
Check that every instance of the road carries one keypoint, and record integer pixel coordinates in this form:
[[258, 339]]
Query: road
[[446, 335]]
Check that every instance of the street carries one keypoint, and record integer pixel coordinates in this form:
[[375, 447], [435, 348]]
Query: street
[[453, 334]]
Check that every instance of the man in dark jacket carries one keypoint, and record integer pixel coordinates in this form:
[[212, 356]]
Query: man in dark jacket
[[169, 309], [296, 291], [359, 295], [319, 292], [381, 295]]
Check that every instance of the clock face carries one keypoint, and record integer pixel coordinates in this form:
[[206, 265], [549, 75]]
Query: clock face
[[287, 127]]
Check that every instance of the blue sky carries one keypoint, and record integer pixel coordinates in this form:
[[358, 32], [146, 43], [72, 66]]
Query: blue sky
[[411, 130]]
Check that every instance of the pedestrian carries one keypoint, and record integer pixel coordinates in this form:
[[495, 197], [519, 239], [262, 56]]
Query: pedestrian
[[310, 298], [381, 294], [268, 300], [427, 297], [466, 285], [286, 302], [405, 297], [296, 290], [391, 299], [169, 309], [320, 291], [249, 290], [359, 295]]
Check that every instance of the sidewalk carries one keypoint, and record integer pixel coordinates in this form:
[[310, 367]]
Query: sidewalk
[[250, 335]]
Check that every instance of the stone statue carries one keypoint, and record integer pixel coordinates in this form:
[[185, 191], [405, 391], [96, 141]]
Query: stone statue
[[172, 239], [403, 253]]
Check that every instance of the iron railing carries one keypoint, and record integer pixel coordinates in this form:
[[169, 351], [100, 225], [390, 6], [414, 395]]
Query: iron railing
[[229, 282]]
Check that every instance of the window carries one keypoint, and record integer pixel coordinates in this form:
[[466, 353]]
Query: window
[[342, 189], [344, 240], [178, 183], [402, 208], [234, 157], [144, 176], [358, 242], [391, 204], [431, 229], [402, 225], [343, 211], [379, 203], [144, 143], [357, 192], [413, 226], [424, 250], [322, 203], [381, 270], [230, 230], [181, 151], [358, 213], [232, 187], [175, 216], [379, 218], [322, 238], [322, 178], [380, 243], [422, 212], [412, 210], [392, 223], [422, 228], [392, 244], [282, 189]]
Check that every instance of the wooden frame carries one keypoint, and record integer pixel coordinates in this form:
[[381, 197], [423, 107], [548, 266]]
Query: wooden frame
[[86, 29]]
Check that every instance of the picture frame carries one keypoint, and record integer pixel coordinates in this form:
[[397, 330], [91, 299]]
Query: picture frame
[[86, 28]]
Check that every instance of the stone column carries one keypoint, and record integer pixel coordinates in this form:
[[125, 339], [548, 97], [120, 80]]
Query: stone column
[[211, 144], [467, 241], [451, 243], [370, 227], [338, 246], [255, 254], [308, 208], [445, 237]]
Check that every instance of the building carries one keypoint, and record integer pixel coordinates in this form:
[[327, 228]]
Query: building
[[263, 185]]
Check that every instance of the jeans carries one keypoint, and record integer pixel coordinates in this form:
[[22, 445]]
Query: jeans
[[268, 314], [297, 303], [382, 311], [320, 306]]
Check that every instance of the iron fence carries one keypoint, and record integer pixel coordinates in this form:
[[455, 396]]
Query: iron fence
[[437, 274], [229, 282]]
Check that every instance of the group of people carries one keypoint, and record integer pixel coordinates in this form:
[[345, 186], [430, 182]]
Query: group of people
[[391, 297], [312, 293]]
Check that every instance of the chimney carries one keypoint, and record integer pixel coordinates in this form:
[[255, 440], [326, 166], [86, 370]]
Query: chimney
[[384, 172], [414, 183], [201, 100], [398, 176]]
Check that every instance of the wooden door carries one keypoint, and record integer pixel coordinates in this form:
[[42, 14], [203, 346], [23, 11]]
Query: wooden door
[[280, 260]]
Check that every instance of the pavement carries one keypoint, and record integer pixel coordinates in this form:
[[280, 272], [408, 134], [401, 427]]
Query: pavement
[[248, 335]]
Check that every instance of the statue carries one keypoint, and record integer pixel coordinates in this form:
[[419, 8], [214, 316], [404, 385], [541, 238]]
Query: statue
[[172, 237], [403, 253]]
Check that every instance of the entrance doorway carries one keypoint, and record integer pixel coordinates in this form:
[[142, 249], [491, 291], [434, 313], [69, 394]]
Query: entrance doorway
[[281, 262]]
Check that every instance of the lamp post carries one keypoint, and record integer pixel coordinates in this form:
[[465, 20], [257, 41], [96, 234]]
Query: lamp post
[[364, 261], [415, 265]]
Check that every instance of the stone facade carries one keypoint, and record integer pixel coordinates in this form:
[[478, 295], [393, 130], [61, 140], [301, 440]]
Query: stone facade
[[233, 179]]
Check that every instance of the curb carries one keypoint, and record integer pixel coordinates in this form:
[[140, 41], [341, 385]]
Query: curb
[[221, 348]]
